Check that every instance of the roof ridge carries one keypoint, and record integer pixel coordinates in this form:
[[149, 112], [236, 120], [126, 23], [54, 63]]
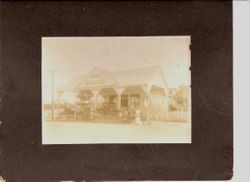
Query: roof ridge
[[141, 68]]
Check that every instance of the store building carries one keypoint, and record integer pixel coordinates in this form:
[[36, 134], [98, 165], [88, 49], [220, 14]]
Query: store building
[[143, 89]]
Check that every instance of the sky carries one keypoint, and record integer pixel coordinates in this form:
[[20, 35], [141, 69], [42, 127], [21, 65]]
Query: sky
[[72, 56]]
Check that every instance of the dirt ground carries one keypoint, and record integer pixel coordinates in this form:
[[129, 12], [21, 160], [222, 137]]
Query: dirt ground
[[79, 132]]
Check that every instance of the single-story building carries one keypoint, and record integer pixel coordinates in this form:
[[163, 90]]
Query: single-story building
[[144, 89]]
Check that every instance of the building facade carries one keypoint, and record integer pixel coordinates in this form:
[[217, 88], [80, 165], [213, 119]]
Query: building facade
[[116, 92]]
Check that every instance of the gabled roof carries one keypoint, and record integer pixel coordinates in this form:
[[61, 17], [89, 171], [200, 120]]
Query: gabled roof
[[73, 84], [102, 78], [139, 76]]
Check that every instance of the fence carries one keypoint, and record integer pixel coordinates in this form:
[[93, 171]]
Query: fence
[[171, 116], [177, 116]]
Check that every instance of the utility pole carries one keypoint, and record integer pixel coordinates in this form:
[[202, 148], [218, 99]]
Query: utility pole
[[52, 94]]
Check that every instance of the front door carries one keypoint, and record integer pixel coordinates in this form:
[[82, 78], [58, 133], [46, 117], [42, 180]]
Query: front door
[[124, 101]]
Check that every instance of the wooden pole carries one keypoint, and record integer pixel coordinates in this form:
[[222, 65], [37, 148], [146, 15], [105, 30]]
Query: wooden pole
[[75, 94], [95, 94], [119, 101], [148, 109], [52, 94]]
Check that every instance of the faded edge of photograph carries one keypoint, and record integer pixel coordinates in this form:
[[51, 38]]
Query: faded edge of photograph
[[116, 89]]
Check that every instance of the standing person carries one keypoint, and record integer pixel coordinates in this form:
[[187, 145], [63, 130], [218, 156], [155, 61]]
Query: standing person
[[120, 113], [138, 117], [146, 114], [132, 112], [92, 113], [125, 114]]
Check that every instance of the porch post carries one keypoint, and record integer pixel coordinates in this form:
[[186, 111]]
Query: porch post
[[129, 100], [118, 101], [75, 113], [119, 92], [95, 95], [147, 89], [167, 98]]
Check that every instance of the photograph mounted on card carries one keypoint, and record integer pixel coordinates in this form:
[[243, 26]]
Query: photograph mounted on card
[[116, 89]]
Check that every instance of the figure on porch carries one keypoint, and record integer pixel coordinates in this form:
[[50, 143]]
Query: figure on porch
[[137, 117]]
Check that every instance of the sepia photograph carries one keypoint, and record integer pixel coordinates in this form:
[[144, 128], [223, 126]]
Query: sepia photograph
[[116, 90]]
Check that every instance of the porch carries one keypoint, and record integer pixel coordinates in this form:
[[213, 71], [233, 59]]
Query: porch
[[117, 104]]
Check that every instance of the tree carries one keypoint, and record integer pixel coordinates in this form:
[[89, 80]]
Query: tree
[[181, 98]]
